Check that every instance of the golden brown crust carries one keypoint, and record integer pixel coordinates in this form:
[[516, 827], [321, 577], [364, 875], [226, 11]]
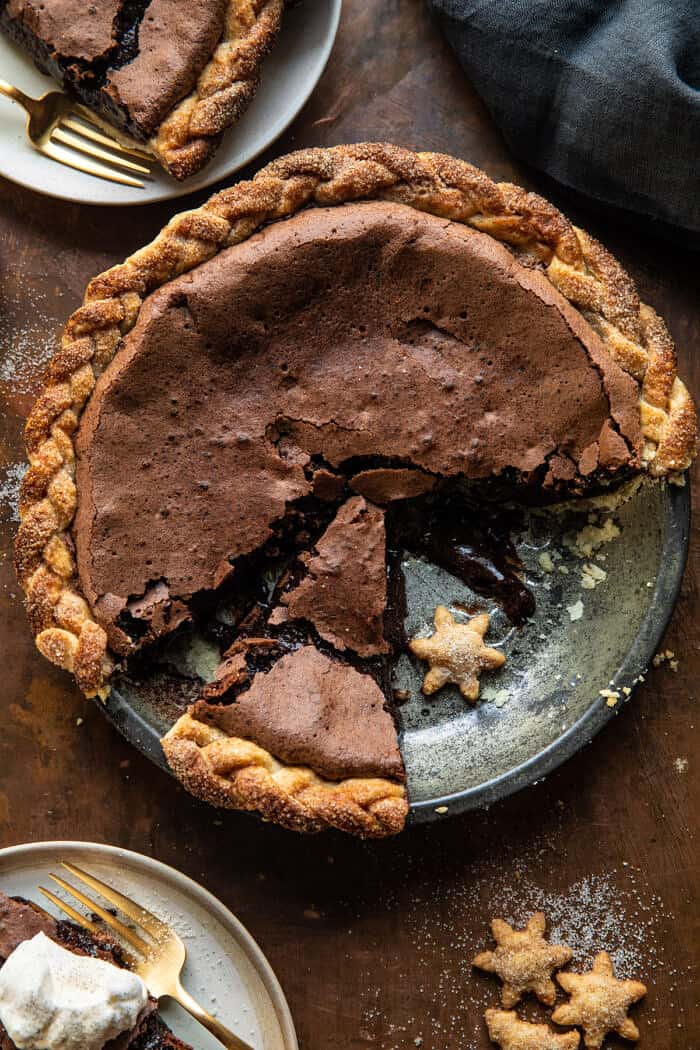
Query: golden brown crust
[[190, 133], [237, 774], [575, 264]]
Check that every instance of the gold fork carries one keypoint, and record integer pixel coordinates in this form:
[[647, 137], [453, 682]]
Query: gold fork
[[160, 954], [70, 133]]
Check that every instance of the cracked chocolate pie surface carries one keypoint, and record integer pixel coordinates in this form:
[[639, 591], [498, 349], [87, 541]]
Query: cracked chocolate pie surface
[[172, 74], [273, 400]]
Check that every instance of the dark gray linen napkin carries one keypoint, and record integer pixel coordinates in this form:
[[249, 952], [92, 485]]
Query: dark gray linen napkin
[[602, 95]]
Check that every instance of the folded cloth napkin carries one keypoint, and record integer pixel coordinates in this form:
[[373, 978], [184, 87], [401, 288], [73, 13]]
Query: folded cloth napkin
[[602, 95]]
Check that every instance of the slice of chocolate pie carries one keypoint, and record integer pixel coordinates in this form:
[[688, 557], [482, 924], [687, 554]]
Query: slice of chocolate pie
[[22, 924], [288, 384], [172, 74]]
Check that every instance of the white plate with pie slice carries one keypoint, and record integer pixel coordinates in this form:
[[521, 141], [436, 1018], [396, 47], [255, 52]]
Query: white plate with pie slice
[[225, 969], [289, 75]]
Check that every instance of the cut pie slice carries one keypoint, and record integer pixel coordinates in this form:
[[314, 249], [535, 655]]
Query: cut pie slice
[[289, 383], [172, 74], [20, 921], [309, 745]]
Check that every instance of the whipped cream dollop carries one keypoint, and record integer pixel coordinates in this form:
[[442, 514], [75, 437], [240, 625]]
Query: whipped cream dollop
[[52, 999]]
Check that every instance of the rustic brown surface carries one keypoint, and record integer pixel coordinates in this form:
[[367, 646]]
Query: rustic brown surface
[[372, 942]]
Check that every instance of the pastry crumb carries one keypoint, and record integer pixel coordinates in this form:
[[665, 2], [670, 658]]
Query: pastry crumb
[[681, 764], [587, 540], [441, 809], [611, 696], [592, 575], [666, 656], [545, 560], [575, 611]]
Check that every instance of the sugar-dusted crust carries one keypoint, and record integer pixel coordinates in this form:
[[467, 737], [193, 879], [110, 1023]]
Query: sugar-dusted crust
[[190, 134], [575, 264], [237, 774]]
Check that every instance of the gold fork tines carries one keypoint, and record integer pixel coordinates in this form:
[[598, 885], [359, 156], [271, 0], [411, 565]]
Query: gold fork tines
[[155, 952], [71, 134]]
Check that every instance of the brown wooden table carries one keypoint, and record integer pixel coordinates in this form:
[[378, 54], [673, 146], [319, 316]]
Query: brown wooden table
[[372, 941]]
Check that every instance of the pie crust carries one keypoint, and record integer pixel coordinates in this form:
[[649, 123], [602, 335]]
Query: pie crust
[[237, 774], [190, 134], [232, 771]]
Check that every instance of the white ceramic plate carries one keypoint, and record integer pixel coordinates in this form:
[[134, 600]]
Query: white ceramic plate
[[289, 75], [225, 969]]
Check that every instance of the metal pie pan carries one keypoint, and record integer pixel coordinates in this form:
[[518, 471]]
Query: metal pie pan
[[545, 703]]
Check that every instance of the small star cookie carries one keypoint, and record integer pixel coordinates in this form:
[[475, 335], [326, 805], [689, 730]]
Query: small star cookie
[[524, 960], [506, 1029], [456, 653], [599, 1002]]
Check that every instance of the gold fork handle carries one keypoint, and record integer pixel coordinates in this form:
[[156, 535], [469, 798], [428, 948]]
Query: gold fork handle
[[17, 96], [229, 1040]]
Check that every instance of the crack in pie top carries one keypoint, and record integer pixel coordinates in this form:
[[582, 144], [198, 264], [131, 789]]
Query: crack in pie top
[[172, 75], [292, 377]]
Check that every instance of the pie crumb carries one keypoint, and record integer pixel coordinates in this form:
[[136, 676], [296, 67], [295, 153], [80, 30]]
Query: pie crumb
[[575, 611], [587, 540], [592, 575], [666, 656]]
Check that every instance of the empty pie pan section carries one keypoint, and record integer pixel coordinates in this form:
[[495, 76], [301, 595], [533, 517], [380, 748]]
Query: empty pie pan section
[[569, 670], [546, 702], [225, 969]]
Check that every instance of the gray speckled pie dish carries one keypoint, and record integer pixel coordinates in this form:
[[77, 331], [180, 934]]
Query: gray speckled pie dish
[[545, 703]]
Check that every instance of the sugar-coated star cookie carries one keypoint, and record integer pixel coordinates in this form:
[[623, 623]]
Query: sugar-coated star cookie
[[456, 653], [524, 960], [506, 1029], [599, 1002]]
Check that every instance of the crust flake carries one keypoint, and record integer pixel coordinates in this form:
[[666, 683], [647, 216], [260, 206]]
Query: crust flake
[[574, 263]]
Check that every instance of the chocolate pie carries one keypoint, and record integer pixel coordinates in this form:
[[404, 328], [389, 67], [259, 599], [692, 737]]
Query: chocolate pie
[[172, 74], [20, 921], [287, 386]]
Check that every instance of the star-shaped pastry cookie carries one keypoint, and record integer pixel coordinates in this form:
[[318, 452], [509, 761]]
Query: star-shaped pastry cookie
[[524, 960], [506, 1029], [599, 1002], [456, 653]]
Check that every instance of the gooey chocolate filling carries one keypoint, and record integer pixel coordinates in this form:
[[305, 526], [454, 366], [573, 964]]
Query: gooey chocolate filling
[[286, 420]]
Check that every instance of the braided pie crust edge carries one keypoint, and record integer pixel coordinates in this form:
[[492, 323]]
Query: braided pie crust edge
[[190, 134], [237, 774]]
